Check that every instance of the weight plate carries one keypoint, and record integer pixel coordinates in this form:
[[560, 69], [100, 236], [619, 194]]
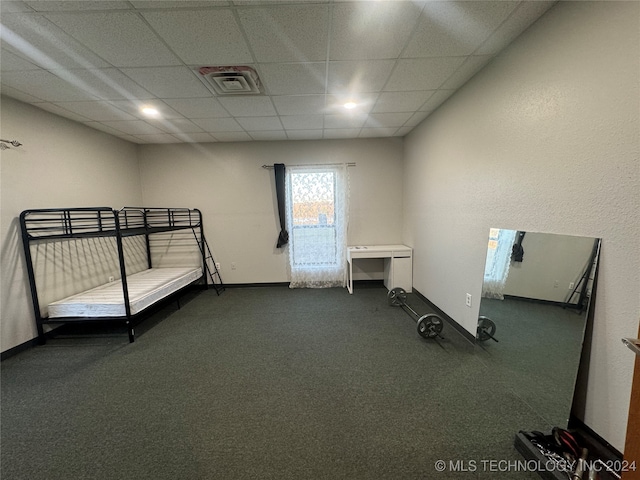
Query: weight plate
[[397, 297], [486, 329], [430, 325]]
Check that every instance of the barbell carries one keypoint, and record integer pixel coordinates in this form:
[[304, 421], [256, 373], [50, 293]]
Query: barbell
[[486, 329], [429, 325]]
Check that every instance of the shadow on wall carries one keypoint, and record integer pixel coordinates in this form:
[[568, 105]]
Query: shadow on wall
[[15, 287]]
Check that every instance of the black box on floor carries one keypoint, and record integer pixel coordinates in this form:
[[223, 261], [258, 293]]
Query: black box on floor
[[597, 451], [531, 453]]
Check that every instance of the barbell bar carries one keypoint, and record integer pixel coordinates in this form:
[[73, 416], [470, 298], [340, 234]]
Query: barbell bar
[[429, 325]]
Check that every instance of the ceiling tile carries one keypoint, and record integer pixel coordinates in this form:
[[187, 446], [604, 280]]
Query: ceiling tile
[[218, 124], [158, 138], [276, 2], [202, 37], [416, 119], [52, 6], [38, 40], [44, 85], [121, 38], [248, 106], [344, 121], [364, 103], [133, 127], [197, 107], [304, 134], [293, 33], [377, 132], [302, 122], [260, 123], [455, 28], [98, 111], [18, 95], [7, 6], [436, 100], [524, 15], [382, 120], [50, 107], [104, 128], [168, 4], [269, 135], [194, 137], [340, 133], [356, 29], [401, 101], [10, 62], [358, 77], [422, 73], [175, 125], [298, 104], [293, 78], [105, 83], [468, 69], [168, 82], [232, 136], [135, 108], [402, 131]]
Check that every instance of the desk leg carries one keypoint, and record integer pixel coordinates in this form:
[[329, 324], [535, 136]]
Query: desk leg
[[350, 280]]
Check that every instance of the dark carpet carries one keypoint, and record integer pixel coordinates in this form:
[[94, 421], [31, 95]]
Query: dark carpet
[[260, 383]]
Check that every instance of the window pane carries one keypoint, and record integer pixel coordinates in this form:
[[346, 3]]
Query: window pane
[[313, 218]]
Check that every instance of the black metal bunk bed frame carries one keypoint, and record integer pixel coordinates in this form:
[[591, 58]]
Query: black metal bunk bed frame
[[93, 222]]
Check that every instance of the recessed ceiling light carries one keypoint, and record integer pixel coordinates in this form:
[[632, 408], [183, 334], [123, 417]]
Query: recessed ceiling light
[[150, 111], [350, 105]]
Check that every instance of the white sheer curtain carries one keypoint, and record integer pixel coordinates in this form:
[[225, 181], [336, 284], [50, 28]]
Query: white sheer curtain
[[317, 218], [496, 269]]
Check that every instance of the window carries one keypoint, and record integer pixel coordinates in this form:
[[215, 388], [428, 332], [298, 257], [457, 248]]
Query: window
[[317, 218], [496, 268]]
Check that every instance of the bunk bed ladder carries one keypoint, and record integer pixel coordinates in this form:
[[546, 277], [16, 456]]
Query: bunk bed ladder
[[210, 264]]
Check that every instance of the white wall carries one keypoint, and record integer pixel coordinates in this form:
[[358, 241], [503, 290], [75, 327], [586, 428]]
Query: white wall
[[61, 164], [551, 264], [237, 197], [544, 139]]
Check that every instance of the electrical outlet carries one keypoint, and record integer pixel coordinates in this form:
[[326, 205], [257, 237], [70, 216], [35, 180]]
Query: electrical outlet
[[556, 284], [111, 279], [571, 285], [218, 265], [233, 265], [468, 300]]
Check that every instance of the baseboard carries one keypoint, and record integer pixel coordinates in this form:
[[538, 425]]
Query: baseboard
[[459, 328], [252, 285], [25, 346], [358, 283], [543, 302]]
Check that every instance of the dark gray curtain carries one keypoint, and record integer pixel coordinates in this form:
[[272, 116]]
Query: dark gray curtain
[[517, 252], [279, 170]]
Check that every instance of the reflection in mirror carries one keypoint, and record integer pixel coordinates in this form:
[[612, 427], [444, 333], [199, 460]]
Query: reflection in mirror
[[536, 290]]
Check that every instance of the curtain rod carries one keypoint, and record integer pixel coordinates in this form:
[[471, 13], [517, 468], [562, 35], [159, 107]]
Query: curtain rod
[[350, 164]]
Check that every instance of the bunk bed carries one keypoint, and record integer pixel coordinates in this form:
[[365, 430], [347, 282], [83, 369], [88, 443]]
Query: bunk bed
[[128, 298]]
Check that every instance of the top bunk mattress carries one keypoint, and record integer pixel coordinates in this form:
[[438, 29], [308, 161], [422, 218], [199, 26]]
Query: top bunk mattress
[[145, 288]]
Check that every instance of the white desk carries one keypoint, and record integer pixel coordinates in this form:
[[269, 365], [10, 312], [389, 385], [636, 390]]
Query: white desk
[[398, 264]]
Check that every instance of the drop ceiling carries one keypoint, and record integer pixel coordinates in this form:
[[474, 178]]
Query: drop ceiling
[[99, 62]]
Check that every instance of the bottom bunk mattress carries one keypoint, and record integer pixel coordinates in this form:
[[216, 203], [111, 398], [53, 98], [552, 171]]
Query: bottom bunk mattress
[[145, 288]]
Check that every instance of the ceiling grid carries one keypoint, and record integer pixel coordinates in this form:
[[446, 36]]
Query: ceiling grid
[[100, 62]]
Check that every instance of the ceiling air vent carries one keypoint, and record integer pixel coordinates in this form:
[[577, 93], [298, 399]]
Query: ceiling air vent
[[232, 80]]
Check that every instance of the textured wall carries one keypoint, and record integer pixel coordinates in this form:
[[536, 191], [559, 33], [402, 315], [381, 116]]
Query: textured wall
[[237, 196], [61, 164], [544, 139]]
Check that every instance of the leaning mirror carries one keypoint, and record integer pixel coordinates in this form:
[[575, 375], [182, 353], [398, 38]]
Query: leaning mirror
[[535, 300]]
